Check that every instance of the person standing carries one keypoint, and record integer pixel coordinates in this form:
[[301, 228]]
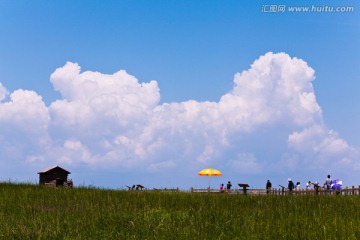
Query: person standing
[[268, 187], [308, 185], [290, 185], [228, 186], [298, 186], [222, 187], [327, 184]]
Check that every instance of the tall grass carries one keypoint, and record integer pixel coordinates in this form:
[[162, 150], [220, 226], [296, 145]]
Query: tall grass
[[33, 212]]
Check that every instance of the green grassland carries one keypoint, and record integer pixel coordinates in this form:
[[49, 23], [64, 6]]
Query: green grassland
[[34, 212]]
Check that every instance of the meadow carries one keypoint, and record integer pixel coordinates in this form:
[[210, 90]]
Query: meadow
[[34, 212]]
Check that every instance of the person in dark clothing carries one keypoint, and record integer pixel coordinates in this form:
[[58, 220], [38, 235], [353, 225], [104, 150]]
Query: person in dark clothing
[[228, 186], [268, 186], [290, 185]]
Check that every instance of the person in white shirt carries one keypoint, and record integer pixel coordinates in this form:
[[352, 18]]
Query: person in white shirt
[[327, 184]]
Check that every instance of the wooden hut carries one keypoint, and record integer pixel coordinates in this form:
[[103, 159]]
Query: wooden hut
[[55, 175]]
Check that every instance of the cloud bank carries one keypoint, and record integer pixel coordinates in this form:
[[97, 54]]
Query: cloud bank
[[269, 124]]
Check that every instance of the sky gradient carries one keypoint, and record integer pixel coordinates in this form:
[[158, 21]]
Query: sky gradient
[[151, 92]]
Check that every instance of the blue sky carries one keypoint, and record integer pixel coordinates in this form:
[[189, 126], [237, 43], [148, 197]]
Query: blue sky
[[192, 49]]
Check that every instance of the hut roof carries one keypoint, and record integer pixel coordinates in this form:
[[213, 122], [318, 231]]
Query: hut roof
[[51, 168]]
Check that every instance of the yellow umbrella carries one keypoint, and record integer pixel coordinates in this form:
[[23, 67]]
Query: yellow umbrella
[[210, 172]]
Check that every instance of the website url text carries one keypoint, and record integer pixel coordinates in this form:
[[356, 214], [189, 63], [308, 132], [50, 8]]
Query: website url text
[[324, 8]]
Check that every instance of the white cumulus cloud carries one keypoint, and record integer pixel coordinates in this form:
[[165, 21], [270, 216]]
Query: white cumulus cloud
[[271, 118]]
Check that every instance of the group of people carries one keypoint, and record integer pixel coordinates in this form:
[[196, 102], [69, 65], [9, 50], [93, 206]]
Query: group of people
[[291, 186], [228, 187]]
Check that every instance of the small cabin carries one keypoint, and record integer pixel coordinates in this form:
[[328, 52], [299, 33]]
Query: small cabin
[[55, 174]]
